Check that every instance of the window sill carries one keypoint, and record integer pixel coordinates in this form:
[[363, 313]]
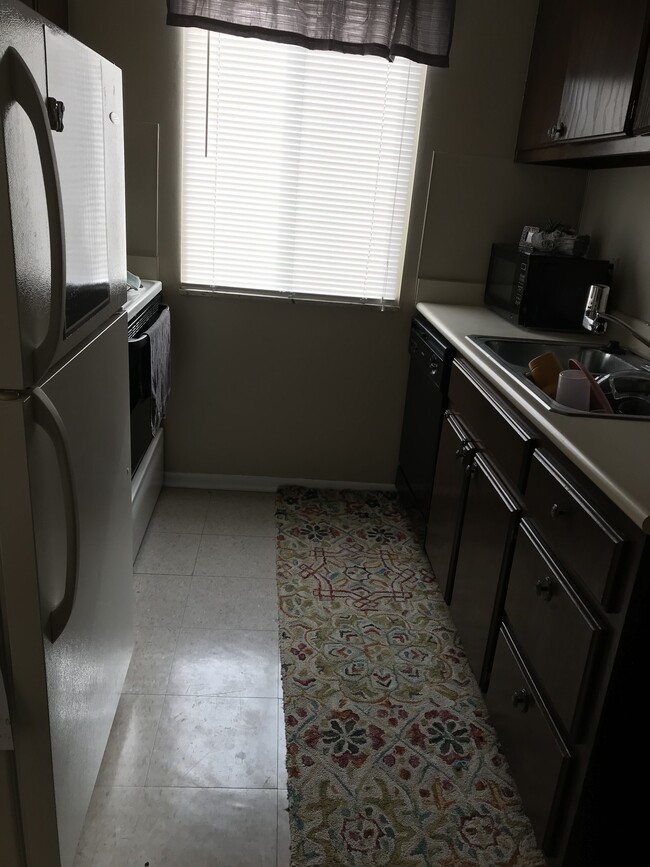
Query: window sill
[[293, 298]]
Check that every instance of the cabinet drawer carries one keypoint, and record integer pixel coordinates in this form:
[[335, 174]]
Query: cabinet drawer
[[579, 536], [536, 753], [496, 429], [556, 632]]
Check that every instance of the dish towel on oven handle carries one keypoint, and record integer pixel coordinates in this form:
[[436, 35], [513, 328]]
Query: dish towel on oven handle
[[160, 344]]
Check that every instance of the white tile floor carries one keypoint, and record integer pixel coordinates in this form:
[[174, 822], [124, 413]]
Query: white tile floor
[[194, 771]]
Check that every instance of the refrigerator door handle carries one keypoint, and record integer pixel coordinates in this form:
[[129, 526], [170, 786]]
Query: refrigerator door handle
[[25, 91], [47, 417]]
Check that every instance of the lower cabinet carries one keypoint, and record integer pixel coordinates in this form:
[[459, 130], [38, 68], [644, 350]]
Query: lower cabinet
[[483, 460], [556, 630], [537, 754], [579, 532], [480, 579], [546, 580], [447, 499]]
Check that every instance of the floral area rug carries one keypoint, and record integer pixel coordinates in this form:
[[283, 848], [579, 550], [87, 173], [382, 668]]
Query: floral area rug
[[391, 758]]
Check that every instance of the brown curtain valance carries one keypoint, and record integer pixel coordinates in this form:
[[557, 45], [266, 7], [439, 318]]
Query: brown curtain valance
[[418, 29]]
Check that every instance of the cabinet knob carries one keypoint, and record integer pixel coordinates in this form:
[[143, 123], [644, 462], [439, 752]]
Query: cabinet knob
[[462, 450], [557, 130], [521, 700], [557, 510], [545, 587]]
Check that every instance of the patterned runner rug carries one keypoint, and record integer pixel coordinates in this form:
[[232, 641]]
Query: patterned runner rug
[[391, 758]]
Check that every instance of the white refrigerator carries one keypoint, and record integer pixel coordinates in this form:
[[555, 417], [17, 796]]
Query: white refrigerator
[[66, 593]]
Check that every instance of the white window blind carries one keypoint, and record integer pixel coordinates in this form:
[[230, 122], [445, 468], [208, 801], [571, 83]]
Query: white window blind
[[297, 168]]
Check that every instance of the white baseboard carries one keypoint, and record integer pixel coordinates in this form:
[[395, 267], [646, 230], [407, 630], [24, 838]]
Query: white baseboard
[[262, 483]]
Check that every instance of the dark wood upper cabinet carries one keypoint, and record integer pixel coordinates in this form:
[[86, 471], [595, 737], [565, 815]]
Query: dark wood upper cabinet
[[546, 73], [600, 74], [642, 111], [585, 80]]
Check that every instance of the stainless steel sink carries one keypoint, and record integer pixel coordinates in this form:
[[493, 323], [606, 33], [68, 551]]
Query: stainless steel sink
[[610, 369], [519, 352]]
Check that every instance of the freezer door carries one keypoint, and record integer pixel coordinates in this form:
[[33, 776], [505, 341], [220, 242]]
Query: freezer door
[[74, 82], [89, 154], [62, 225], [77, 435], [28, 198]]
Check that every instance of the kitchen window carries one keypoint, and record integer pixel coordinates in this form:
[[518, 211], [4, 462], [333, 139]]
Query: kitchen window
[[297, 169]]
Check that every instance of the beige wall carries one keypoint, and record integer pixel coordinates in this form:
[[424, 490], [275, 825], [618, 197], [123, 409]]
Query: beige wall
[[616, 214], [266, 387], [478, 194]]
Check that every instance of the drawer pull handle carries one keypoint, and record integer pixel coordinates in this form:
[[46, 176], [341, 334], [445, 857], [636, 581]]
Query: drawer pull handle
[[521, 700], [556, 511], [545, 587]]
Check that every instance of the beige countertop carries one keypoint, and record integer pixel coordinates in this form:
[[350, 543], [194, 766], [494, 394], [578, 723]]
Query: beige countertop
[[614, 453]]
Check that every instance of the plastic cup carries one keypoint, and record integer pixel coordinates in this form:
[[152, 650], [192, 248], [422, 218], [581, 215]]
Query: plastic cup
[[545, 370], [573, 389]]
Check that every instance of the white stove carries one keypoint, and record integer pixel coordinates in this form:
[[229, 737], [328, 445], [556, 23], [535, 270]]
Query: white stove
[[146, 451], [137, 299]]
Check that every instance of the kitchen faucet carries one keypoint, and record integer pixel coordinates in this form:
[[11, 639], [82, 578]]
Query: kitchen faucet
[[595, 319]]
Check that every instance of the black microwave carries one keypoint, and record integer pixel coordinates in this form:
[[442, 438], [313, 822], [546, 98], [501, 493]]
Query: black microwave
[[536, 290]]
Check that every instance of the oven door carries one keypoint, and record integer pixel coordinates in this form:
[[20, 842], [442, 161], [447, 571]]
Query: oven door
[[141, 399]]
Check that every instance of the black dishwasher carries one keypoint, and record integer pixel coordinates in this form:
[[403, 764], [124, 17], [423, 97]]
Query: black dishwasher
[[426, 401]]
